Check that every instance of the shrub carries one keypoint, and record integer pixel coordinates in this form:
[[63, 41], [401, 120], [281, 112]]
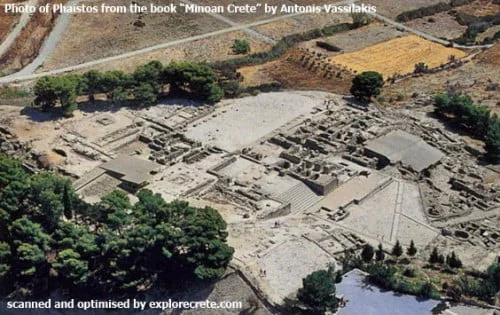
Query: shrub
[[327, 46], [410, 273], [428, 291], [241, 47], [366, 85], [367, 253]]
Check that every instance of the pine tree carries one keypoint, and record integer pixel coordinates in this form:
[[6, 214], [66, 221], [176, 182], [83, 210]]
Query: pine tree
[[412, 250], [397, 250], [453, 261], [379, 254], [441, 259], [367, 253], [68, 204], [434, 257]]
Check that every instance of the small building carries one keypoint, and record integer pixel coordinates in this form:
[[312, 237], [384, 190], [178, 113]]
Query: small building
[[133, 172], [401, 147]]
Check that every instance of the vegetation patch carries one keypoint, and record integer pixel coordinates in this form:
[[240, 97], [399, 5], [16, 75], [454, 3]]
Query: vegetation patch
[[477, 119], [431, 10], [50, 238], [144, 86]]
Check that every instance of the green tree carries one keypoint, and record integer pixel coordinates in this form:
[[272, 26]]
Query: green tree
[[46, 197], [453, 261], [360, 19], [382, 275], [204, 237], [93, 79], [117, 95], [71, 267], [493, 274], [318, 292], [196, 80], [67, 203], [45, 93], [241, 47], [412, 250], [29, 257], [51, 90], [215, 93], [428, 291], [71, 236], [397, 250], [367, 253], [113, 208], [11, 170], [366, 85], [24, 230], [113, 81], [379, 254], [5, 256], [145, 94], [150, 73], [434, 257], [492, 141]]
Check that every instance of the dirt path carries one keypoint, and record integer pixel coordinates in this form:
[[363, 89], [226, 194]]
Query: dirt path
[[25, 75], [9, 40], [230, 22], [48, 46], [63, 21], [422, 34]]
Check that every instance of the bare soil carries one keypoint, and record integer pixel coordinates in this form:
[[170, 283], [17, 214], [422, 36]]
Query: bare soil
[[300, 24], [355, 39], [7, 21], [244, 18], [441, 25], [26, 46], [94, 36], [480, 8], [392, 9], [474, 78], [288, 71], [210, 49]]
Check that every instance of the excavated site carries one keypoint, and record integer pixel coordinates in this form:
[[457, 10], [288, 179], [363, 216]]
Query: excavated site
[[300, 177]]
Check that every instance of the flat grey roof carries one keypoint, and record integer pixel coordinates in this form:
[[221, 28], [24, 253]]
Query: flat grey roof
[[367, 299], [133, 170], [399, 146]]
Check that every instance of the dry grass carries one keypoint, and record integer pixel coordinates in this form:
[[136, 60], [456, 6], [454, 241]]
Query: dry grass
[[29, 41], [288, 71], [391, 8], [93, 36], [492, 55], [444, 26], [480, 8], [209, 49], [300, 24], [397, 56], [7, 21]]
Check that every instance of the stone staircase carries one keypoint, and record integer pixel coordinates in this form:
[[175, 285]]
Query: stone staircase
[[300, 197]]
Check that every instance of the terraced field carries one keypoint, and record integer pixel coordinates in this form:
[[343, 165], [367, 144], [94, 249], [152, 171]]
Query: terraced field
[[397, 56]]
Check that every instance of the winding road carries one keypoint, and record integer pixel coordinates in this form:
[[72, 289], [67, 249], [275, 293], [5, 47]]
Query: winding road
[[23, 20], [422, 34], [63, 21], [48, 46]]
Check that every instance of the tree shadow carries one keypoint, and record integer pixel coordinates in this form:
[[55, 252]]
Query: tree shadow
[[98, 106], [38, 115], [453, 127]]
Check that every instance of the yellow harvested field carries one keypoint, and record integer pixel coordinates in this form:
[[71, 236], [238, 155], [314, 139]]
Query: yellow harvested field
[[397, 56]]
